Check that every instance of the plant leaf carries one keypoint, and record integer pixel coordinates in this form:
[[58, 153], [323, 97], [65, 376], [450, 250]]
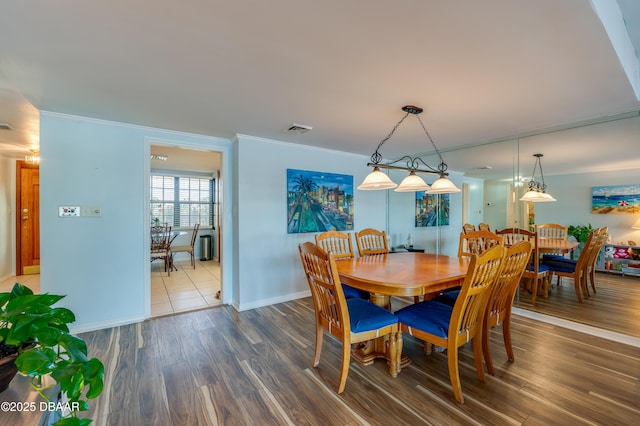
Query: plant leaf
[[36, 361]]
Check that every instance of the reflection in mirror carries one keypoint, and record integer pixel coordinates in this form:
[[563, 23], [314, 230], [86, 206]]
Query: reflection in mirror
[[577, 158]]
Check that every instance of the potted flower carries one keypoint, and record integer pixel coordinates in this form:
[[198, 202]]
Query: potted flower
[[35, 340]]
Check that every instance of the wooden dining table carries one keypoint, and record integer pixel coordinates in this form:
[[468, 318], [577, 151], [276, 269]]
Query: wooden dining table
[[555, 245], [398, 274]]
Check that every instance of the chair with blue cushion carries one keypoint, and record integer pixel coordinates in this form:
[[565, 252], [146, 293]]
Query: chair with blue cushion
[[501, 296], [602, 236], [538, 273], [500, 300], [572, 268], [471, 242], [349, 320], [451, 327], [339, 243]]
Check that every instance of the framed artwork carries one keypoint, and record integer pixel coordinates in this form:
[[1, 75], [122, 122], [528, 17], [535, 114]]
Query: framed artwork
[[615, 199], [432, 209], [318, 201]]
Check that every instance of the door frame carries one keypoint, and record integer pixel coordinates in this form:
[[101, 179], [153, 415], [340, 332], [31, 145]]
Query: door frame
[[20, 164], [225, 240]]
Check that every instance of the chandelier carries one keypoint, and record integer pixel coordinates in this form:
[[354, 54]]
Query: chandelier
[[537, 190], [412, 183], [33, 157]]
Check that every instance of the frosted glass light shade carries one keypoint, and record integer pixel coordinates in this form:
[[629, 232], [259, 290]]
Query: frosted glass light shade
[[376, 180], [412, 183], [537, 197], [442, 185]]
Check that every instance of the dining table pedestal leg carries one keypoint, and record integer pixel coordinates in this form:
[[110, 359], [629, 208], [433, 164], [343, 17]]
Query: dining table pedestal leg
[[365, 353]]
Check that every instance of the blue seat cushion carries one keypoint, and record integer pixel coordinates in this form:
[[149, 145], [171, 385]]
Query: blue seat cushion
[[541, 268], [431, 317], [448, 298], [365, 316], [560, 265], [553, 257], [351, 292]]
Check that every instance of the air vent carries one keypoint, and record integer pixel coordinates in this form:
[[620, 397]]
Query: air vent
[[5, 126], [298, 128]]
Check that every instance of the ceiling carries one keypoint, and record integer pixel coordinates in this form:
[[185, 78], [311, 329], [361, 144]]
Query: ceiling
[[482, 71]]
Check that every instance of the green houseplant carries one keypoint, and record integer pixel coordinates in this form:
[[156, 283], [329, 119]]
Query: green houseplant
[[38, 336], [580, 232]]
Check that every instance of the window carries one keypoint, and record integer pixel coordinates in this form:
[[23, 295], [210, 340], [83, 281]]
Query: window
[[182, 201]]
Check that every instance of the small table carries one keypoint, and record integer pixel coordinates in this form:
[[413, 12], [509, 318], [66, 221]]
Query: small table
[[398, 274], [412, 249]]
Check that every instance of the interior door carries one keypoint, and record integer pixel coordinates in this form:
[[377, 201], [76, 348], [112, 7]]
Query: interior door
[[27, 218]]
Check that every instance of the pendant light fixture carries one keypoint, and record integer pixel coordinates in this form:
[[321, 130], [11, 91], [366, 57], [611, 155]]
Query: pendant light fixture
[[537, 190], [412, 183], [33, 157]]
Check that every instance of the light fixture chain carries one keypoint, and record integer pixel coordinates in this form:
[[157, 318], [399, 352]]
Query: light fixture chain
[[376, 157], [429, 136], [541, 175]]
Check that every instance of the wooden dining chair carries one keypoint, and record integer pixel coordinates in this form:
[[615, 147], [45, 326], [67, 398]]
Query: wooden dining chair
[[467, 227], [535, 271], [349, 320], [188, 248], [161, 245], [602, 236], [501, 295], [339, 244], [572, 268], [477, 242], [451, 327], [552, 231], [371, 241], [484, 227]]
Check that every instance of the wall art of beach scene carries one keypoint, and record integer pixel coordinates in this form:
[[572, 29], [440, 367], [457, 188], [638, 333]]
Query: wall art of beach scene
[[617, 199]]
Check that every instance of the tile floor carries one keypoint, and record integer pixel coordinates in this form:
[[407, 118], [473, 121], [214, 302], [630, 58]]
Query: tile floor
[[185, 290]]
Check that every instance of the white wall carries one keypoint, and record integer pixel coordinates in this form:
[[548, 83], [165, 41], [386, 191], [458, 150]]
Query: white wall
[[573, 207], [7, 217], [442, 239], [101, 264], [266, 260], [496, 203]]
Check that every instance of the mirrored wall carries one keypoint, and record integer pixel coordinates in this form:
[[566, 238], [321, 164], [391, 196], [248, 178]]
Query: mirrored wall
[[493, 176]]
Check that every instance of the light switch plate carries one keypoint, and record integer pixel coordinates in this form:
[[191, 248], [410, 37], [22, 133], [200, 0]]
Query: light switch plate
[[90, 211], [68, 211]]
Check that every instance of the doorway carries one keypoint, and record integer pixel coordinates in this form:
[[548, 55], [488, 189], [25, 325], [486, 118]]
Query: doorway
[[27, 218], [184, 189]]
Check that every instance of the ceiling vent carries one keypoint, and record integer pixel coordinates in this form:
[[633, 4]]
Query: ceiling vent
[[298, 128], [5, 126]]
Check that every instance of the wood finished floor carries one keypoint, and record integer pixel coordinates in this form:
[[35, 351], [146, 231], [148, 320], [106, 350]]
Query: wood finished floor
[[222, 367], [615, 306]]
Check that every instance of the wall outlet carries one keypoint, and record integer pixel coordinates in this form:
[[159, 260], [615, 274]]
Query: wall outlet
[[68, 211]]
